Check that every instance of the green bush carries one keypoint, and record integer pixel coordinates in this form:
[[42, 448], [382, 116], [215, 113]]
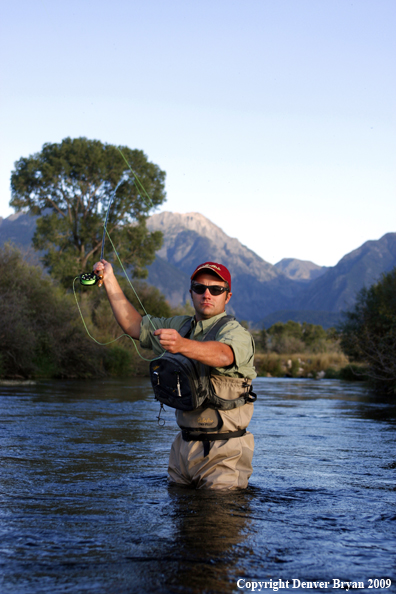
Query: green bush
[[118, 361], [353, 373], [292, 338], [41, 333]]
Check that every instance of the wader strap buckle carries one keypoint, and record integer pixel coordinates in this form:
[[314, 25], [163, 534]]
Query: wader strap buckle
[[251, 396], [208, 437]]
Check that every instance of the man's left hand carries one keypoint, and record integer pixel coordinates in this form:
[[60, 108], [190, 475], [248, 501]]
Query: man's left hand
[[170, 340]]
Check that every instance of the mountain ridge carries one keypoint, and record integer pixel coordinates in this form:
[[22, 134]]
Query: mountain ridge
[[262, 292]]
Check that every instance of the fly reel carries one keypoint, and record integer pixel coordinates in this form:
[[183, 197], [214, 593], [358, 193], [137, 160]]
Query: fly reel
[[89, 279]]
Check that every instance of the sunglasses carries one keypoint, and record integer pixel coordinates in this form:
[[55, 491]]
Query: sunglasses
[[213, 289]]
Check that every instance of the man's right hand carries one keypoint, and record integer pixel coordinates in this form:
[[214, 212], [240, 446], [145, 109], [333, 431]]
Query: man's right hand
[[103, 268]]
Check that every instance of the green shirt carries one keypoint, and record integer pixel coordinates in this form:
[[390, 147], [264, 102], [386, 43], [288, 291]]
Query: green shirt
[[232, 333]]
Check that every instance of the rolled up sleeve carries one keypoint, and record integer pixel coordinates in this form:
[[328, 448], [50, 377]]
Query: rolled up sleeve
[[242, 344]]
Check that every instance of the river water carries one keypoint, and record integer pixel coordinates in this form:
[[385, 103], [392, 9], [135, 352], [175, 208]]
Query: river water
[[85, 505]]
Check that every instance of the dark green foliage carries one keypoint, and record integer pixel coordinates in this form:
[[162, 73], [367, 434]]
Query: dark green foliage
[[118, 361], [293, 337], [261, 340], [151, 298], [353, 373], [369, 332], [69, 185], [40, 333], [350, 373]]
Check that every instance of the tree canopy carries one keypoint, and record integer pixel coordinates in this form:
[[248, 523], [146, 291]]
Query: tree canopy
[[69, 186], [369, 332]]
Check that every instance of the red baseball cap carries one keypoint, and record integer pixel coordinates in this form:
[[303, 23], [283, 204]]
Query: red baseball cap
[[219, 269]]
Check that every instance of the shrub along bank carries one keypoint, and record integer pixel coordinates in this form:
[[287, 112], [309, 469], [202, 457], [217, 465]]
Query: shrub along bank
[[303, 350]]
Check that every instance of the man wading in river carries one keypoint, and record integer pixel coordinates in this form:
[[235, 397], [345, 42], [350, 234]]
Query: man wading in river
[[213, 450]]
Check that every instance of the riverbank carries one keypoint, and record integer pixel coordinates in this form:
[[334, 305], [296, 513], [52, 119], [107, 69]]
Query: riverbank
[[308, 365], [123, 362]]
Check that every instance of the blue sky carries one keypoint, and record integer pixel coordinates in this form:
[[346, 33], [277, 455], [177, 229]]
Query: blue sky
[[273, 118]]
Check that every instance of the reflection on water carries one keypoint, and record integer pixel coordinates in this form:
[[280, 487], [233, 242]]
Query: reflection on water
[[85, 504]]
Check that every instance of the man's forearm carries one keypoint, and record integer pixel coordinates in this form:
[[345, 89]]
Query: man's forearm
[[126, 315], [213, 353]]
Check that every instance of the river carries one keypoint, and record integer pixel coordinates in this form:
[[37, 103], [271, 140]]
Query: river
[[85, 504]]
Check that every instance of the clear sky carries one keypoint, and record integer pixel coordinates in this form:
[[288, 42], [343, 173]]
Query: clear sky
[[273, 118]]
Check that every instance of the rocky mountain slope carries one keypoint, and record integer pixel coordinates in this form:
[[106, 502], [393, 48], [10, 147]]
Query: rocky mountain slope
[[258, 287], [336, 289]]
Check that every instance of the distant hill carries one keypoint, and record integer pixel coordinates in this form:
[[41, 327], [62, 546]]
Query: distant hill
[[18, 228], [300, 270], [262, 293]]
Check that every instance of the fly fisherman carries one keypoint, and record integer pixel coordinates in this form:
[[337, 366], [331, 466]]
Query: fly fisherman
[[213, 450]]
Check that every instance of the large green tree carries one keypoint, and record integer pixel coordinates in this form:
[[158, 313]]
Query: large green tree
[[369, 332], [69, 186]]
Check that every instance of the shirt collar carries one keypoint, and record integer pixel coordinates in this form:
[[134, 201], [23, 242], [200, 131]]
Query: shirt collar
[[205, 325]]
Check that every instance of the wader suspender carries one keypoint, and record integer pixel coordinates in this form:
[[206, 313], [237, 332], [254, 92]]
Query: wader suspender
[[206, 438]]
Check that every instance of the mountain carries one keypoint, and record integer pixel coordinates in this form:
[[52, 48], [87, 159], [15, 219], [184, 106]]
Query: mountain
[[18, 228], [262, 293], [300, 270], [336, 289], [190, 239]]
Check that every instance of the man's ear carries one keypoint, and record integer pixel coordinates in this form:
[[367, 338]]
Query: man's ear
[[228, 298]]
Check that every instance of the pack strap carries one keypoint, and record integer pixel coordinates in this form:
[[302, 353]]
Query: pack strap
[[185, 330], [208, 437]]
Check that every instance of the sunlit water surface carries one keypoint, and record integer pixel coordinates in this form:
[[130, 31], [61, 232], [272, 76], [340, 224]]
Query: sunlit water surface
[[85, 504]]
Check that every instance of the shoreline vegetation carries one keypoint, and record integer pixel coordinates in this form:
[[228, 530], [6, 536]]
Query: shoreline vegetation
[[43, 337], [305, 350]]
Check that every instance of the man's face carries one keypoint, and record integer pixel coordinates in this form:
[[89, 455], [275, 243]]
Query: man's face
[[206, 306]]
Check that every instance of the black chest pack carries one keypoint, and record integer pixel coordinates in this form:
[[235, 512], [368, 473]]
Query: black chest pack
[[183, 383]]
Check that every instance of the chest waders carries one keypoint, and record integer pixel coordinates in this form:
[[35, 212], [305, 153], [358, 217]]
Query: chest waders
[[186, 385]]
